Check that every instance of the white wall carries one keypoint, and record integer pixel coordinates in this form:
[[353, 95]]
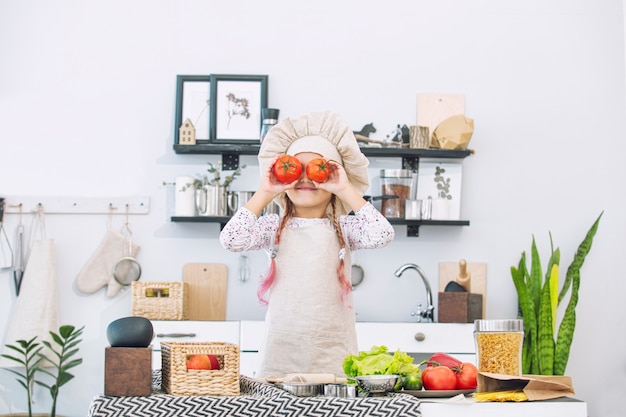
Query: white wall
[[87, 106]]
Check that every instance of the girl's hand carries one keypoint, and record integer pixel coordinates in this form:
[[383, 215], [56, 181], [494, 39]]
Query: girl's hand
[[269, 188], [337, 181], [338, 184], [271, 185]]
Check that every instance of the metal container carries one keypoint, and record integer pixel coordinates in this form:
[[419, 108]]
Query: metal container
[[237, 199], [376, 384], [340, 390], [303, 389], [499, 346]]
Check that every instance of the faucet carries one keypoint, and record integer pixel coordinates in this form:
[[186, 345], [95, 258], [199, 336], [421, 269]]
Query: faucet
[[428, 313]]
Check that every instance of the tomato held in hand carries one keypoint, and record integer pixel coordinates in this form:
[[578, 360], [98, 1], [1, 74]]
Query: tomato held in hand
[[318, 170], [287, 169], [439, 378], [466, 376]]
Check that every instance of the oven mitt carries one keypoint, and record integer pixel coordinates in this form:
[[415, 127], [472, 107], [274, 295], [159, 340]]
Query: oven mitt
[[98, 271]]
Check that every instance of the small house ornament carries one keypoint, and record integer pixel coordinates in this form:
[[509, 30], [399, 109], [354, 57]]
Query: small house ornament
[[187, 133]]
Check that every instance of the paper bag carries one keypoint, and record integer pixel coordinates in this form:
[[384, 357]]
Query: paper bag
[[454, 133], [536, 387]]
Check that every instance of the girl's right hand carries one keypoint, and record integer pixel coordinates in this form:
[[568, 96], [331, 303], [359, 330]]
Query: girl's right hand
[[268, 189], [270, 184]]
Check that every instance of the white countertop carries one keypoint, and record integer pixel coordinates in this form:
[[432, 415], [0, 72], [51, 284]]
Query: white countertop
[[467, 407]]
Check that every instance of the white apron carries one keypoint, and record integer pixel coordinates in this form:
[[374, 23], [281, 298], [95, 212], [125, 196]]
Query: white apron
[[309, 328]]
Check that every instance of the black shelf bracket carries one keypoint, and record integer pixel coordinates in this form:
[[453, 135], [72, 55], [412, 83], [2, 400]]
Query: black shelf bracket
[[230, 161], [411, 162], [412, 230]]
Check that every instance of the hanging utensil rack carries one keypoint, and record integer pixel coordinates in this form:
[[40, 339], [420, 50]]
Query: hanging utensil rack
[[77, 205]]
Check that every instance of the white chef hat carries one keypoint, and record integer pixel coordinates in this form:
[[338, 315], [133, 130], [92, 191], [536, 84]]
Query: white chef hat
[[325, 133]]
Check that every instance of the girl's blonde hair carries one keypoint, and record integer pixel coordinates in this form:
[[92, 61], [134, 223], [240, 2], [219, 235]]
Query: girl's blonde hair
[[270, 275]]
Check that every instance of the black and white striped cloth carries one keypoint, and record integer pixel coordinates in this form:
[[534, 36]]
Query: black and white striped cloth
[[257, 399]]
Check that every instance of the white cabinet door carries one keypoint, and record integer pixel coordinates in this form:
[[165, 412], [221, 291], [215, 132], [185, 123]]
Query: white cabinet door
[[192, 331], [419, 339], [252, 338]]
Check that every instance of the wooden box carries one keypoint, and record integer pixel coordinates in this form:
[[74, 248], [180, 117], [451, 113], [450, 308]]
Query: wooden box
[[128, 371], [176, 379], [459, 307], [160, 300]]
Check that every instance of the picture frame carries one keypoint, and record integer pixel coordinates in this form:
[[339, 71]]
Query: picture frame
[[237, 101], [193, 102]]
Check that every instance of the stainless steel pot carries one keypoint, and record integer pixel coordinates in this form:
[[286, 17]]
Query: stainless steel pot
[[303, 389], [340, 390]]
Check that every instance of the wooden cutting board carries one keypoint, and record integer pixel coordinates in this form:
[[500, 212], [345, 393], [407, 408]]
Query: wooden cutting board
[[206, 286]]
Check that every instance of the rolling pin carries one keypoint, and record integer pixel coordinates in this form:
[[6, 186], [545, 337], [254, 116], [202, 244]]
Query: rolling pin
[[464, 277]]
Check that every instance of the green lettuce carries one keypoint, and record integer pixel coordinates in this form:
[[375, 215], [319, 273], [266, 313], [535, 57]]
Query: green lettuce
[[378, 361]]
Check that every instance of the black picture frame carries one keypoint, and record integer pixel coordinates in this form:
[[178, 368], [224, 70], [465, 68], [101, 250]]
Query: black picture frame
[[236, 104], [193, 101]]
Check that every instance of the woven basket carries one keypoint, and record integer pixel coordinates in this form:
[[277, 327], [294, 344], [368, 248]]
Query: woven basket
[[160, 300], [176, 379]]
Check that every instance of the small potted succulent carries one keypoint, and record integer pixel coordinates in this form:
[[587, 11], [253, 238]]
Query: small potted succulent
[[54, 365]]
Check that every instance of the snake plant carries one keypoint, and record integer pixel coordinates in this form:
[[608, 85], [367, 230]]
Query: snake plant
[[546, 350]]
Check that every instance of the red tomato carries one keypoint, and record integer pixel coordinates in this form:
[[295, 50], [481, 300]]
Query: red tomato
[[318, 170], [287, 169], [439, 378], [466, 376]]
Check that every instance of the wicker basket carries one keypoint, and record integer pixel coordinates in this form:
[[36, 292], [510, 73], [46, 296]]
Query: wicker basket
[[160, 300], [176, 379]]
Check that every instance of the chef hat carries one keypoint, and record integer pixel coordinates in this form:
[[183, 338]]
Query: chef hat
[[325, 133]]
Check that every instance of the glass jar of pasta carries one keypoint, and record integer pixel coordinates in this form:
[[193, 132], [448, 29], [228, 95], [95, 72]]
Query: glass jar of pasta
[[499, 346]]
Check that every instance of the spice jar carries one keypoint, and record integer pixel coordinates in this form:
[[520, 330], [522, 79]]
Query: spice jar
[[499, 346], [396, 188]]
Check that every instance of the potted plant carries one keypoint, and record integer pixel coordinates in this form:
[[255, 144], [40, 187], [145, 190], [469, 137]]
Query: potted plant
[[440, 204], [30, 356], [546, 349], [211, 190]]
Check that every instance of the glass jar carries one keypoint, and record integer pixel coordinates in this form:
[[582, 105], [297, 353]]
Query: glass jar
[[396, 188], [499, 346]]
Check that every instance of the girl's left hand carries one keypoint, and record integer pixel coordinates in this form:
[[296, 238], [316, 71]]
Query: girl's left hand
[[337, 181], [338, 184]]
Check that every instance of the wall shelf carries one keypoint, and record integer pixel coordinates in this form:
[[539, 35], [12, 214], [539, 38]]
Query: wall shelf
[[412, 226], [243, 149], [410, 160]]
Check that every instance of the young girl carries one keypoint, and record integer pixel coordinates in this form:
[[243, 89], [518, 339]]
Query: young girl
[[310, 319]]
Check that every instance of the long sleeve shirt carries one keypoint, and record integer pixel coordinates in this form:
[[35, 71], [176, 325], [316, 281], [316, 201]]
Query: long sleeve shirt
[[366, 229]]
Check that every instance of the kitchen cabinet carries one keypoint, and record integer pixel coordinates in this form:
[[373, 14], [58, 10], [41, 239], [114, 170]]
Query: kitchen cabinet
[[410, 160], [420, 340]]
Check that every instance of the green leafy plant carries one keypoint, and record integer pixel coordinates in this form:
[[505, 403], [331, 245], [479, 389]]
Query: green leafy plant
[[443, 184], [29, 358], [215, 177], [62, 354], [546, 351]]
